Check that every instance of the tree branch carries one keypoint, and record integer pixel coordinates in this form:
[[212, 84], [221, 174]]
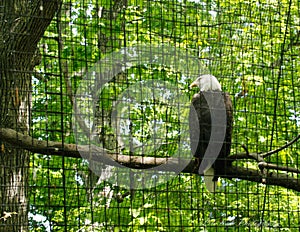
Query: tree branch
[[99, 154], [272, 178], [278, 167], [281, 148], [260, 156]]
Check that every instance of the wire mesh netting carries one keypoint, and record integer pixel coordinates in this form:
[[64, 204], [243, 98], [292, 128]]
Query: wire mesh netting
[[109, 115]]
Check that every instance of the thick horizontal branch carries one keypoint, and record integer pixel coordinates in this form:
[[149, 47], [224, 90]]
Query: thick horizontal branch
[[99, 154], [278, 167], [90, 152], [271, 178]]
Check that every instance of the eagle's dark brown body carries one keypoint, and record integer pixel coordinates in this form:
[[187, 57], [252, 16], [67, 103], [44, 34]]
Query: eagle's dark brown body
[[200, 124]]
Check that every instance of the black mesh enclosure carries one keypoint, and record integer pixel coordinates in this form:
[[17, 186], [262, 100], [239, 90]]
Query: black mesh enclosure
[[96, 132]]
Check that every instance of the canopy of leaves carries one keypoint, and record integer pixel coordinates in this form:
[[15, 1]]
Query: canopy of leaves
[[251, 46]]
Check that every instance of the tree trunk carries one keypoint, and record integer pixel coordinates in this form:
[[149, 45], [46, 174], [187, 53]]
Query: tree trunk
[[22, 24]]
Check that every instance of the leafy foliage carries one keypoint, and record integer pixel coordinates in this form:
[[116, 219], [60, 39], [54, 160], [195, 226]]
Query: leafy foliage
[[252, 47]]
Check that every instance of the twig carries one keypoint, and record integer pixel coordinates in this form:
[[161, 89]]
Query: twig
[[281, 148], [255, 156], [259, 159]]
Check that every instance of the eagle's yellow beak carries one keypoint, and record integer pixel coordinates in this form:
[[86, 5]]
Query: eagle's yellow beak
[[193, 84]]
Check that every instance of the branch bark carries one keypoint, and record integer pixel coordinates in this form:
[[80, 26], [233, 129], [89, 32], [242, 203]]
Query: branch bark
[[98, 154]]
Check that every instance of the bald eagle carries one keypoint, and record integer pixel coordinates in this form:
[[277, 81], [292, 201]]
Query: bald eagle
[[210, 122]]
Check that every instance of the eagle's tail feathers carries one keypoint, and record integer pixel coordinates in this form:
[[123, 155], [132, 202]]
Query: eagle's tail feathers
[[209, 180]]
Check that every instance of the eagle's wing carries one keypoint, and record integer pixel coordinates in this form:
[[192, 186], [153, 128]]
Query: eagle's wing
[[200, 132], [225, 151], [199, 125]]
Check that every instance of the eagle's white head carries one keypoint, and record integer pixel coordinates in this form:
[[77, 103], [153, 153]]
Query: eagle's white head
[[207, 82]]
